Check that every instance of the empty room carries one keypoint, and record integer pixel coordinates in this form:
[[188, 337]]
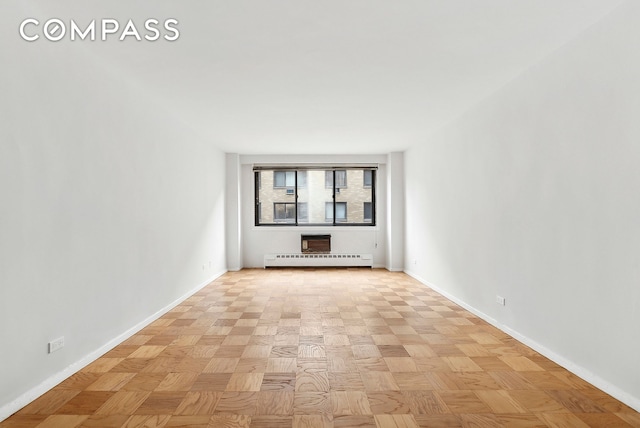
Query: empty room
[[320, 214]]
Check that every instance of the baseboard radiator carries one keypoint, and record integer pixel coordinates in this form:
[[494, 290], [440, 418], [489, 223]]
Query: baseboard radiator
[[317, 260]]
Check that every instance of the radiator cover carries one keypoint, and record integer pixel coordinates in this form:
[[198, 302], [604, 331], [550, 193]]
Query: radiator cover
[[311, 260]]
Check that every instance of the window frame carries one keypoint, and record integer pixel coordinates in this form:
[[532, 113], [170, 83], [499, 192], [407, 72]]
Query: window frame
[[334, 222]]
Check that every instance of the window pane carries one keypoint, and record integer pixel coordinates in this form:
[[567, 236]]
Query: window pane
[[341, 179], [368, 178], [279, 212], [303, 212], [284, 212], [353, 197], [313, 193], [278, 178], [271, 190], [290, 178], [284, 178], [367, 212], [341, 211], [302, 178], [328, 179]]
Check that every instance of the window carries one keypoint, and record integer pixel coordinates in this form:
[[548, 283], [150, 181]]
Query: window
[[302, 179], [367, 178], [341, 179], [368, 210], [284, 212], [316, 196], [284, 178], [341, 211], [303, 212]]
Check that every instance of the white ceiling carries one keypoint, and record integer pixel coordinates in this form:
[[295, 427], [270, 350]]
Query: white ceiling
[[329, 76]]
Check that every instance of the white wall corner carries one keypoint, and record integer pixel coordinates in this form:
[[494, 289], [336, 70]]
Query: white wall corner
[[395, 211], [233, 224]]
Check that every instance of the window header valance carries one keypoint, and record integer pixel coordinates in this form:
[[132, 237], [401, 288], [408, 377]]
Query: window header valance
[[316, 167]]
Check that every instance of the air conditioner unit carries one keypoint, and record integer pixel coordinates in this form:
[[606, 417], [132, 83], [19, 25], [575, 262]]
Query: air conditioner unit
[[315, 243]]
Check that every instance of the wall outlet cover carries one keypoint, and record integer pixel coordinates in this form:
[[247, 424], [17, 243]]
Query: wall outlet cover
[[56, 344]]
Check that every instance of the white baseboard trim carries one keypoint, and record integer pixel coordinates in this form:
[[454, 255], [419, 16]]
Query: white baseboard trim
[[598, 382], [29, 396]]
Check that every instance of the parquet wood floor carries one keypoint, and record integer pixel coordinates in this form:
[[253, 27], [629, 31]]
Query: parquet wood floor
[[322, 348]]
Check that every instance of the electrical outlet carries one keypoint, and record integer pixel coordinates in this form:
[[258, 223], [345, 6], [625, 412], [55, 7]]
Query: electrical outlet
[[500, 300], [56, 344]]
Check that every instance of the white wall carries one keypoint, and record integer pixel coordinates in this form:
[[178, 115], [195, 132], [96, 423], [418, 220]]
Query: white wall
[[110, 211], [395, 212], [533, 195], [258, 241], [233, 223]]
